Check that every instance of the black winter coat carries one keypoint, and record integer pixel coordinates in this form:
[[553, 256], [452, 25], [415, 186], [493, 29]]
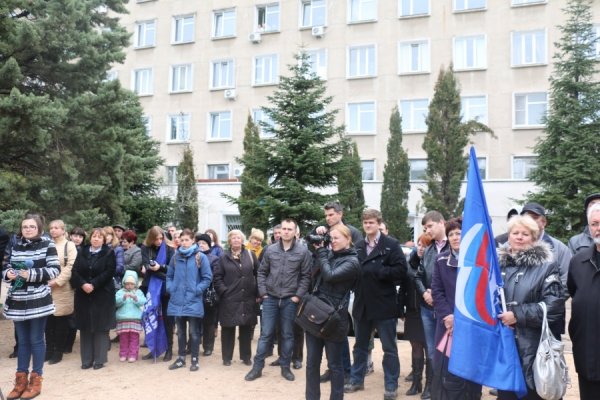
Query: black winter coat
[[338, 273], [235, 282], [150, 253], [425, 271], [94, 312], [375, 294], [583, 283], [531, 277]]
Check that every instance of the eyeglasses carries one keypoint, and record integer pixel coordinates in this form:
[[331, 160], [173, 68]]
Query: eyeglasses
[[29, 227]]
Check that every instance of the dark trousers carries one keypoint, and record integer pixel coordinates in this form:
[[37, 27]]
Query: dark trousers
[[209, 323], [588, 390], [195, 329], [94, 347], [531, 395], [57, 334], [314, 354], [169, 321], [298, 350], [228, 342]]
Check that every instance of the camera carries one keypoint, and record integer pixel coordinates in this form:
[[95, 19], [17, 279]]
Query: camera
[[316, 239], [152, 263]]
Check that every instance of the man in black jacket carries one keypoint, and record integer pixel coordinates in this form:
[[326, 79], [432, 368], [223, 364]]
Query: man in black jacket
[[383, 265]]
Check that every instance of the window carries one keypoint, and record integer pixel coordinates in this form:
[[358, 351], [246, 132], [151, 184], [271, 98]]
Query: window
[[142, 81], [222, 74], [223, 23], [525, 2], [181, 78], [231, 222], [267, 18], [111, 75], [467, 5], [523, 166], [411, 8], [145, 34], [418, 169], [266, 70], [218, 171], [147, 121], [361, 61], [179, 128], [260, 118], [362, 10], [413, 57], [171, 175], [368, 170], [318, 62], [313, 12], [474, 107], [469, 52], [220, 125], [482, 166], [596, 51], [528, 47], [360, 118], [529, 109], [183, 29], [413, 114]]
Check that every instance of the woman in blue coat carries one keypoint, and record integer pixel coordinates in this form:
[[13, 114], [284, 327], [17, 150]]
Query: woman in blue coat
[[188, 276]]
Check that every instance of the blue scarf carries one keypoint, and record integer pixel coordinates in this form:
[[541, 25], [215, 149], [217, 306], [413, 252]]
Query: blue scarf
[[189, 251], [161, 256]]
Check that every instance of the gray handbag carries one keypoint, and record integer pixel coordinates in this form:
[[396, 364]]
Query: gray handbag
[[550, 371]]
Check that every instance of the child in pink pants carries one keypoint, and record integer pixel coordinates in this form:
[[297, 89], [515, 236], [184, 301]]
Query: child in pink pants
[[129, 317]]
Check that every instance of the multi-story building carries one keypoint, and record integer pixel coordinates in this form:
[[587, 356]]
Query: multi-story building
[[201, 67]]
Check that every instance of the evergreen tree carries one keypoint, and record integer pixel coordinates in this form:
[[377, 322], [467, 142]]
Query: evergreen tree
[[396, 186], [569, 153], [350, 187], [186, 204], [445, 142]]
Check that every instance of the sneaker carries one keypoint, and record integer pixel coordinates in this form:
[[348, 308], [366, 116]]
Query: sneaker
[[390, 395], [370, 368], [180, 362], [122, 359], [353, 387], [132, 359], [194, 366]]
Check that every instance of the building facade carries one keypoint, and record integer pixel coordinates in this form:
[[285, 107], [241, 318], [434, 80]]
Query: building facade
[[201, 67]]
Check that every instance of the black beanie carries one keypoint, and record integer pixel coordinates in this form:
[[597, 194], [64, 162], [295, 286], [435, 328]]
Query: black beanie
[[205, 238]]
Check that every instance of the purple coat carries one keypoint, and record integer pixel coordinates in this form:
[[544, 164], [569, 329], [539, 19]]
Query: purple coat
[[443, 288]]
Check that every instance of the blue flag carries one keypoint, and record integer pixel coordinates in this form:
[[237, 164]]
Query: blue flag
[[152, 319], [483, 350]]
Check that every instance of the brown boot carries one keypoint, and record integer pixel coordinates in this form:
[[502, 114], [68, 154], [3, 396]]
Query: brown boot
[[20, 386], [34, 388]]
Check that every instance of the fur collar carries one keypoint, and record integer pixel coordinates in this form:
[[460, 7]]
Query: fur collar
[[536, 255]]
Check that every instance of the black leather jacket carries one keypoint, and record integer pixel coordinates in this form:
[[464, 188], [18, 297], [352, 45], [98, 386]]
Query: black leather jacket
[[338, 271], [425, 270]]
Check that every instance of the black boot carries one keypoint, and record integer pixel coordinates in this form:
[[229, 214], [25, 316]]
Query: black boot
[[417, 384], [428, 377], [168, 355]]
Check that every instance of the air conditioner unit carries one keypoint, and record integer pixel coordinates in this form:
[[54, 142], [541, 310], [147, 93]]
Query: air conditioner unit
[[229, 94], [318, 31], [254, 37], [237, 171]]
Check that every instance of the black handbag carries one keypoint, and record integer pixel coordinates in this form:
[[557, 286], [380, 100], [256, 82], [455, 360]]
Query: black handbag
[[211, 298]]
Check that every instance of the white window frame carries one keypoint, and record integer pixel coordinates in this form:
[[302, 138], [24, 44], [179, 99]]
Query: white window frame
[[307, 6], [181, 23], [147, 121], [141, 35], [272, 66], [373, 170], [597, 44], [171, 175], [225, 81], [258, 116], [466, 108], [525, 3], [411, 6], [221, 118], [362, 69], [518, 48], [215, 168], [406, 57], [467, 6], [226, 15], [111, 75], [364, 109], [182, 126], [362, 8], [409, 121], [526, 168], [411, 170], [142, 88], [181, 78], [317, 59], [270, 9], [469, 43], [528, 104]]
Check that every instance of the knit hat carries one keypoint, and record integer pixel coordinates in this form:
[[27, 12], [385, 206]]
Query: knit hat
[[205, 238], [129, 279]]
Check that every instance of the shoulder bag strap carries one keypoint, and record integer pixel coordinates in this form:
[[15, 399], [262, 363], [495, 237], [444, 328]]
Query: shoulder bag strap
[[545, 327]]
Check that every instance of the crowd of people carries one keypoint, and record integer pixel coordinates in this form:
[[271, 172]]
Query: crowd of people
[[60, 283]]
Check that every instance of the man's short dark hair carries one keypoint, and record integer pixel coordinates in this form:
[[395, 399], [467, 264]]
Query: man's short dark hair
[[335, 205], [434, 216], [371, 213], [293, 221]]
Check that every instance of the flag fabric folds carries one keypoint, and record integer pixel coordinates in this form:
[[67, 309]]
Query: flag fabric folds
[[152, 319], [483, 350]]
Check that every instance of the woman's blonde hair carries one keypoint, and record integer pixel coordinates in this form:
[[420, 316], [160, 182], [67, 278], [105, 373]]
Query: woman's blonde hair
[[108, 230], [344, 230], [256, 234], [235, 232], [526, 222]]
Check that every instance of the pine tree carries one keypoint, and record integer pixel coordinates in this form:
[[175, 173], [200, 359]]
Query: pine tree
[[396, 186], [569, 153], [350, 188], [186, 204], [445, 143]]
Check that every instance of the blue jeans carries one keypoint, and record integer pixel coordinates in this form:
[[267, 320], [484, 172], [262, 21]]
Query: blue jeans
[[429, 328], [195, 333], [274, 310], [314, 354], [386, 328], [30, 335]]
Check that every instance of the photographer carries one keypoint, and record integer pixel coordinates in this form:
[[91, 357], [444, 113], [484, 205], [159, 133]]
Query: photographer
[[334, 215]]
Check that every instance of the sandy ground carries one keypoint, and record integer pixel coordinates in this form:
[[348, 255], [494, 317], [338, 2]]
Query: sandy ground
[[146, 379]]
